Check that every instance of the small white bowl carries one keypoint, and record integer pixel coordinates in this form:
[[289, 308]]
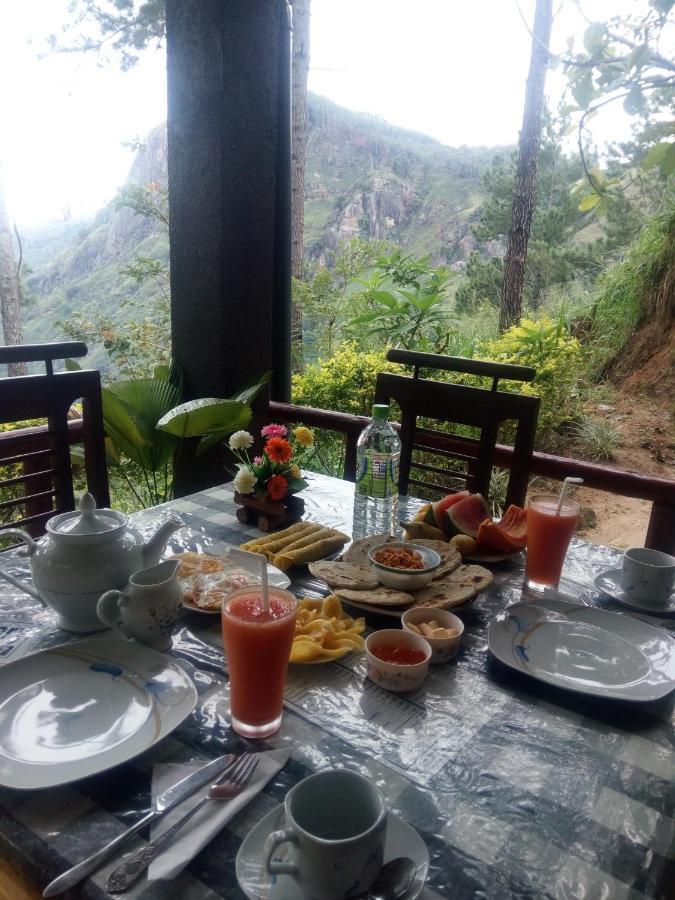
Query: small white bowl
[[393, 676], [405, 579], [442, 649]]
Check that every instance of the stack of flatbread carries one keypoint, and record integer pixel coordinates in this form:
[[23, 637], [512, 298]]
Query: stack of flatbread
[[353, 579], [301, 543]]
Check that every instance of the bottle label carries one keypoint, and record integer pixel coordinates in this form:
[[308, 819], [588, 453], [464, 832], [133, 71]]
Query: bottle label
[[377, 476]]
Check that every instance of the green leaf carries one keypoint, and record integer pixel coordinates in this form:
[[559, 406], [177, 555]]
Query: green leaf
[[583, 90], [72, 366], [638, 56], [198, 418], [594, 36], [252, 388], [656, 155], [635, 101], [131, 411], [662, 6], [589, 202]]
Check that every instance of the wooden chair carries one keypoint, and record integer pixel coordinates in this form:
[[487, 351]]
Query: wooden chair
[[37, 463], [485, 410]]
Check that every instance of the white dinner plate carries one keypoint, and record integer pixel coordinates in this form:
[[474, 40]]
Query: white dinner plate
[[400, 840], [81, 708], [610, 584], [585, 649], [275, 578]]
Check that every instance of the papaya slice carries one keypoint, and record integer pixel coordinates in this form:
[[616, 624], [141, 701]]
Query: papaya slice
[[506, 536]]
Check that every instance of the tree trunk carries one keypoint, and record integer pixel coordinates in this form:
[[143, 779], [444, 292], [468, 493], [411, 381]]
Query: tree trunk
[[9, 289], [300, 68], [526, 171]]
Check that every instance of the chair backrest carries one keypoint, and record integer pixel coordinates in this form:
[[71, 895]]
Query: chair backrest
[[36, 476], [485, 410]]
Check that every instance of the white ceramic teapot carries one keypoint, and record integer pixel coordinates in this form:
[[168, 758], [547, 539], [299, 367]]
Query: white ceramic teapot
[[85, 553]]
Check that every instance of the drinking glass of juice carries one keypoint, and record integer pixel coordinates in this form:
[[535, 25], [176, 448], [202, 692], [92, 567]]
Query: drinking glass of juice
[[258, 646], [549, 533]]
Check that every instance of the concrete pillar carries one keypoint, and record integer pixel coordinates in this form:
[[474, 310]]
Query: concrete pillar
[[227, 198]]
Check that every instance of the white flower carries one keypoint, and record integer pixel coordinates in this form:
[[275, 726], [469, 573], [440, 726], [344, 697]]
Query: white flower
[[244, 481], [241, 440]]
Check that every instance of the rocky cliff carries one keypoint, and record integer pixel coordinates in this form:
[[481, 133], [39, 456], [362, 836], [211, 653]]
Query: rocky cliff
[[363, 177]]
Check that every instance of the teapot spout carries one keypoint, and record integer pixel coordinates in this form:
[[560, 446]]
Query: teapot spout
[[155, 546]]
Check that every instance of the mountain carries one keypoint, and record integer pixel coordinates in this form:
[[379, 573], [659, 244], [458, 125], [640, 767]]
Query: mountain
[[363, 177]]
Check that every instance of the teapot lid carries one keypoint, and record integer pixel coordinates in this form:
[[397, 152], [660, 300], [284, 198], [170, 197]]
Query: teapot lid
[[88, 520]]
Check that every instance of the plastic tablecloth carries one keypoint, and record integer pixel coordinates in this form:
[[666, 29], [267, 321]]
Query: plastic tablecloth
[[517, 788]]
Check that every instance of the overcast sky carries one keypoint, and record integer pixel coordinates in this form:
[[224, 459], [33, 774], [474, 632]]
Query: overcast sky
[[454, 69]]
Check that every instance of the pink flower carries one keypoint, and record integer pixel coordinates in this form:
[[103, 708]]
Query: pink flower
[[274, 431], [257, 460]]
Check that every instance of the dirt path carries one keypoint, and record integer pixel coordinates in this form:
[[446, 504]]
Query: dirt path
[[647, 447]]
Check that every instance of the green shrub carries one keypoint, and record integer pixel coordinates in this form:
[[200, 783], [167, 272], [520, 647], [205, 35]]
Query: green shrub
[[549, 348], [640, 287], [598, 438], [345, 383]]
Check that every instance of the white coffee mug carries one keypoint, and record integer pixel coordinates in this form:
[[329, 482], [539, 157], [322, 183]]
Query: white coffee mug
[[149, 606], [336, 822], [647, 576]]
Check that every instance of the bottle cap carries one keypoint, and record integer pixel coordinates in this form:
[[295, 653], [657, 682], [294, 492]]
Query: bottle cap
[[381, 411]]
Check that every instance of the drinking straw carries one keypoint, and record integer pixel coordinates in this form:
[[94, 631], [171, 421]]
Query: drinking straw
[[566, 483], [263, 581], [262, 560]]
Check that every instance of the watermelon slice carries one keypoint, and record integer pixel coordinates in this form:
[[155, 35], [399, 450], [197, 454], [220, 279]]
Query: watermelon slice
[[466, 516], [441, 506], [506, 536]]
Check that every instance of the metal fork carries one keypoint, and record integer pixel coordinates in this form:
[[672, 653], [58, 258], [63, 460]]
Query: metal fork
[[226, 787]]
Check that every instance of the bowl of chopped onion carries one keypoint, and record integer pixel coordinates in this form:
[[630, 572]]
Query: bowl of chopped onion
[[405, 566], [441, 629]]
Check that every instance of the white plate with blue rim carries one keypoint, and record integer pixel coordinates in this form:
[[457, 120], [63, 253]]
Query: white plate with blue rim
[[585, 649], [609, 583], [78, 709], [400, 840]]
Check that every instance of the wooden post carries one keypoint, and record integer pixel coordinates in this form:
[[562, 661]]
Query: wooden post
[[223, 65], [661, 528]]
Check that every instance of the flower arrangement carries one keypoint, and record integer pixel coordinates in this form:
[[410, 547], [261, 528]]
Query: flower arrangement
[[275, 474]]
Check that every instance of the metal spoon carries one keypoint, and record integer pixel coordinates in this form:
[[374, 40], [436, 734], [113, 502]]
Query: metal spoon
[[393, 881]]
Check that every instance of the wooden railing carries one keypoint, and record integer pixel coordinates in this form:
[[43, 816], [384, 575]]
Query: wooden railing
[[660, 491], [29, 449]]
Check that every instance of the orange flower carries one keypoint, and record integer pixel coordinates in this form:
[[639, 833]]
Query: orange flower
[[278, 449], [277, 487]]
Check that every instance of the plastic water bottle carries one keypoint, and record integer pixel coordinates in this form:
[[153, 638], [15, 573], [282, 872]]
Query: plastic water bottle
[[378, 452]]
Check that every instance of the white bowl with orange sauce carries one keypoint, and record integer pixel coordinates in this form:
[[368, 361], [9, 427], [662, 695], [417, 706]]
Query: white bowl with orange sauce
[[398, 577], [398, 676]]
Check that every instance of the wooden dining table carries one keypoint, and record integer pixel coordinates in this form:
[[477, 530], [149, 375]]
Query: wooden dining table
[[518, 789]]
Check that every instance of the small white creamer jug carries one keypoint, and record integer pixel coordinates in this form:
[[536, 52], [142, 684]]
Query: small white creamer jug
[[149, 606]]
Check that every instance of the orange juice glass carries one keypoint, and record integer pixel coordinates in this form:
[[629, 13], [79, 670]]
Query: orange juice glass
[[548, 536], [258, 647]]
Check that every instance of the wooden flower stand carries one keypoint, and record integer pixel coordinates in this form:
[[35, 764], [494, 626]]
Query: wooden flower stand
[[268, 514]]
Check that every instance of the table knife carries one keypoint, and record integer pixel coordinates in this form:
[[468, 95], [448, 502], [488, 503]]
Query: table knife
[[164, 802]]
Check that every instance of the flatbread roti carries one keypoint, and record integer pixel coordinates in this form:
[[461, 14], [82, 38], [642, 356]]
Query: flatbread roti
[[444, 594], [359, 550], [380, 596], [476, 576], [450, 556], [344, 575]]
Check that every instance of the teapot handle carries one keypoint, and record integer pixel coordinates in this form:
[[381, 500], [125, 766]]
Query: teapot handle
[[107, 608], [30, 547]]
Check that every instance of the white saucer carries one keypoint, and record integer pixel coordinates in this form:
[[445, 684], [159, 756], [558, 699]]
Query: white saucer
[[610, 583], [401, 840]]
